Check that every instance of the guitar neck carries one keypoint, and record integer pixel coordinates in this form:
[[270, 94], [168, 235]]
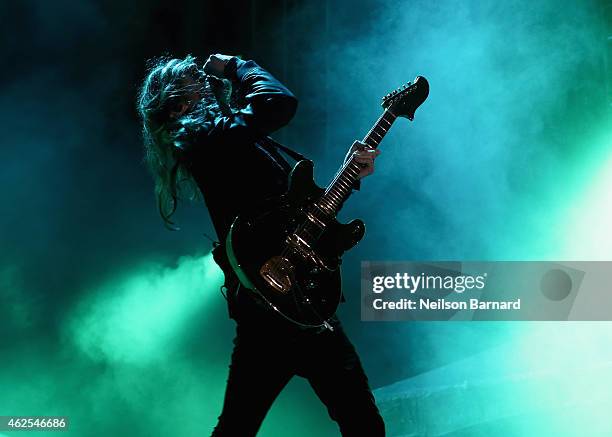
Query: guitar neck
[[341, 186]]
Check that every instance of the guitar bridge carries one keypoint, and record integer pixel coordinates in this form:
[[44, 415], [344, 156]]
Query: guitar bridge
[[277, 272], [301, 247]]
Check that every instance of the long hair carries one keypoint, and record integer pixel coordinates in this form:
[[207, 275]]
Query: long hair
[[164, 88]]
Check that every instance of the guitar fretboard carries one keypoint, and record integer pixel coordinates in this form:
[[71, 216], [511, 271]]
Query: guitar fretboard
[[340, 187]]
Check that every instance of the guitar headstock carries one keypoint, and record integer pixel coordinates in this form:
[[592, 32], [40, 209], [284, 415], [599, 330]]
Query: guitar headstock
[[404, 101]]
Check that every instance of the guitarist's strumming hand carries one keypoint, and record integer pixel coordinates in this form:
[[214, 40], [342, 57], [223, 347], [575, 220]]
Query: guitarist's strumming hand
[[364, 155]]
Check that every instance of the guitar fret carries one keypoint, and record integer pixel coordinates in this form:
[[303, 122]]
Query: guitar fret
[[370, 139], [384, 132], [325, 205], [393, 117], [344, 183], [354, 168], [345, 189], [346, 178], [353, 173], [337, 199], [330, 197], [339, 195], [333, 195]]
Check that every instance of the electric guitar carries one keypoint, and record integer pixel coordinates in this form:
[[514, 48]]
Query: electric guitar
[[288, 250]]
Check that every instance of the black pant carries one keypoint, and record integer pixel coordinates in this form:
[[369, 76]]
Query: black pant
[[268, 352]]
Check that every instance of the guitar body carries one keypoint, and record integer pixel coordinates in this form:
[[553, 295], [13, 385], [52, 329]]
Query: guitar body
[[307, 290]]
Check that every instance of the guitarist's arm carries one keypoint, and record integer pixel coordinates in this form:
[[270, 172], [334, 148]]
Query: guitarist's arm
[[269, 105]]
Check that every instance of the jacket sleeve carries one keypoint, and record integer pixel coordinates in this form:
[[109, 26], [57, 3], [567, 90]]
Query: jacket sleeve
[[269, 104]]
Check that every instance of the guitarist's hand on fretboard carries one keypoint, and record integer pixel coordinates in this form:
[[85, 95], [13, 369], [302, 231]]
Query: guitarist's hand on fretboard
[[365, 156]]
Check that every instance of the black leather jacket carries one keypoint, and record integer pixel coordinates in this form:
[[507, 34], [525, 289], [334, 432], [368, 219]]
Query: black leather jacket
[[231, 166]]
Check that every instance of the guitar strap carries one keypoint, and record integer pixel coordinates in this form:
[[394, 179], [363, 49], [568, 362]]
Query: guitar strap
[[290, 152]]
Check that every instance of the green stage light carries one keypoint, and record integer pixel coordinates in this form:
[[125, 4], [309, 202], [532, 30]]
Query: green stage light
[[586, 233], [135, 318]]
